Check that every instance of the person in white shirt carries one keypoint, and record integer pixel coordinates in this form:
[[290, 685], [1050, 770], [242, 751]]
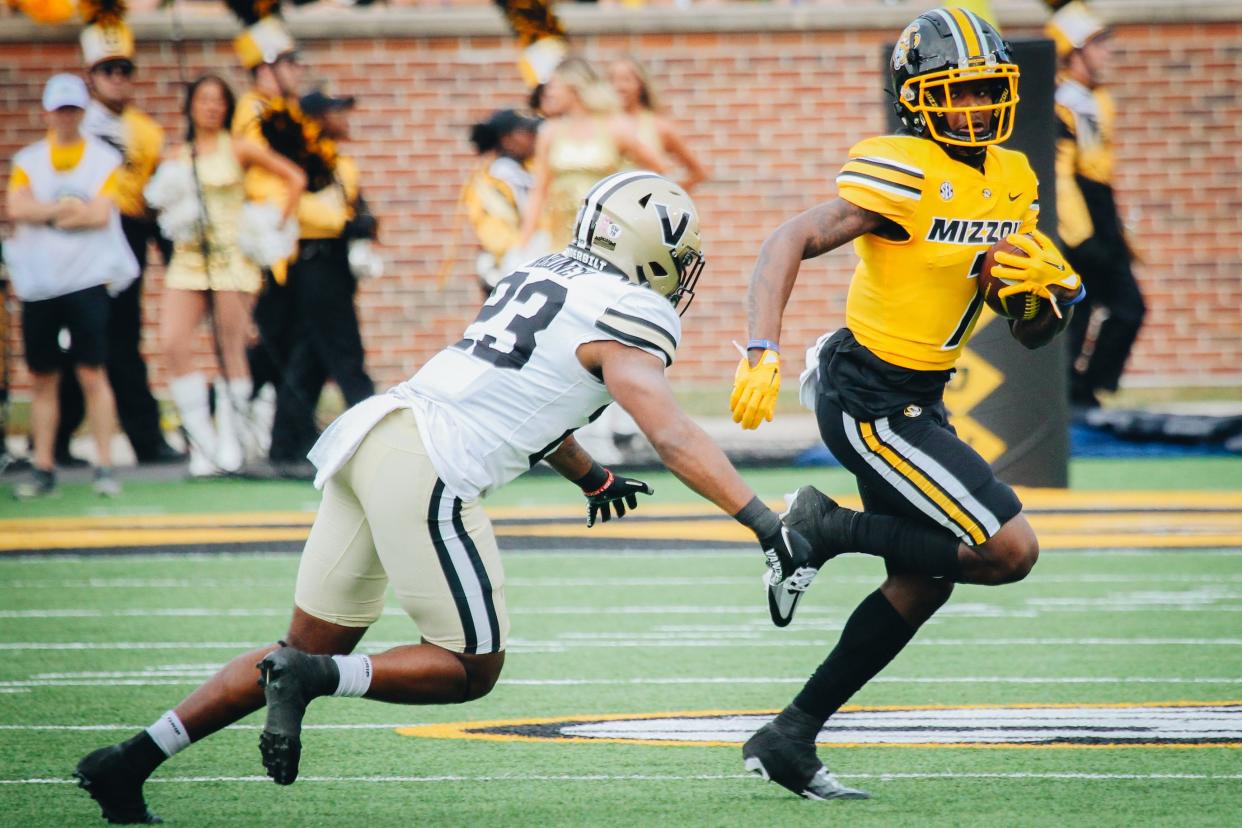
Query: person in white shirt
[[67, 253], [403, 473]]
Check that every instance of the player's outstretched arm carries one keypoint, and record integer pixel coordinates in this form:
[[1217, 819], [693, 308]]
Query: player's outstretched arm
[[605, 491], [822, 228], [636, 380]]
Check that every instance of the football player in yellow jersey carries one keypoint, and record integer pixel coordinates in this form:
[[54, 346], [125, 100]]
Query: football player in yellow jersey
[[922, 208]]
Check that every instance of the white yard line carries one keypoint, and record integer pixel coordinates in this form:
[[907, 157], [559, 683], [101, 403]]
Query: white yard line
[[562, 582], [705, 777], [1097, 605], [606, 641], [136, 679], [591, 555]]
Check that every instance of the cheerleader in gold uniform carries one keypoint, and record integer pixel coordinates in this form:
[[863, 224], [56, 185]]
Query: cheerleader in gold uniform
[[209, 271], [583, 141]]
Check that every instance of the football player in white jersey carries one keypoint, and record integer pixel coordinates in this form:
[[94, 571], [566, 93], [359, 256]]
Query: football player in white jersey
[[403, 473]]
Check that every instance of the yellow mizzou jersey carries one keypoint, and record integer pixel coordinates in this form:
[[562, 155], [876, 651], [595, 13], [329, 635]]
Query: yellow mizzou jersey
[[914, 302]]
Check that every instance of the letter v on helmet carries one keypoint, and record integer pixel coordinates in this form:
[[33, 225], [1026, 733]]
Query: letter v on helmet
[[672, 235]]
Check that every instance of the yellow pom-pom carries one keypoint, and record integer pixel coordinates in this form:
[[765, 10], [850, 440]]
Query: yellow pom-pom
[[48, 11]]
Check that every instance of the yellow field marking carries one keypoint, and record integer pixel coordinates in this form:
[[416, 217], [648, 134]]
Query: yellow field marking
[[1070, 498], [1161, 502], [170, 521], [1139, 521], [305, 518], [1153, 523], [121, 538], [1140, 540], [471, 730]]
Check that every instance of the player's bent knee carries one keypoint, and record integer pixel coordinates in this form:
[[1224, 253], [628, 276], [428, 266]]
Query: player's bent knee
[[482, 673], [1026, 561], [1010, 554], [311, 634], [1018, 561]]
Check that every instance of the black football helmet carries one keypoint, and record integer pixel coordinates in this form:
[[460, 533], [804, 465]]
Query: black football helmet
[[941, 49]]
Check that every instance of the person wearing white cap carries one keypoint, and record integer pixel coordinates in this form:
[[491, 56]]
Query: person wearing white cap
[[108, 56], [1088, 219], [66, 255]]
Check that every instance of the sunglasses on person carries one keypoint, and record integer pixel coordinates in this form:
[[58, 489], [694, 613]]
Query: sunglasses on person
[[113, 68]]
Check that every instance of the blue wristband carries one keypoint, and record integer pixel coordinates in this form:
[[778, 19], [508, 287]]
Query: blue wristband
[[763, 345], [1077, 297]]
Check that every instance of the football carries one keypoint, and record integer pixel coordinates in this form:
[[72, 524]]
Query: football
[[1025, 306]]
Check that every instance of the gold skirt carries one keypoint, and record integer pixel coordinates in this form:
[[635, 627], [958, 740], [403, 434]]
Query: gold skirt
[[228, 269]]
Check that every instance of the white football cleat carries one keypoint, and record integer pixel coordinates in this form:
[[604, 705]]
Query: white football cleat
[[785, 593]]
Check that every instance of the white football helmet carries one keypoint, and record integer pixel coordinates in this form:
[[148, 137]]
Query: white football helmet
[[646, 227]]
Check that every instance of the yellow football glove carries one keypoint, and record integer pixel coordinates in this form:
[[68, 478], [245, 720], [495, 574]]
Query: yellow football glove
[[1040, 271], [755, 390]]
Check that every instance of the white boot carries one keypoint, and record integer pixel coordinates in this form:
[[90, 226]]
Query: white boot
[[263, 416], [189, 393], [239, 394], [229, 453]]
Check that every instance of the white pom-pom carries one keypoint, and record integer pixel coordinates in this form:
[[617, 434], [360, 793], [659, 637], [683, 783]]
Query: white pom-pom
[[364, 261], [262, 237], [172, 192]]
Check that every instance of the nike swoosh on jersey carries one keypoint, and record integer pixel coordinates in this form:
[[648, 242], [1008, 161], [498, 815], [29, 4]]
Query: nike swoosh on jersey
[[1014, 196]]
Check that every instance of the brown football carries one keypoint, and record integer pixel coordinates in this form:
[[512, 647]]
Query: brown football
[[1018, 306]]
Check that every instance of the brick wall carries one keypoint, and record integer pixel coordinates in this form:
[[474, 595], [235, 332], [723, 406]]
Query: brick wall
[[773, 113]]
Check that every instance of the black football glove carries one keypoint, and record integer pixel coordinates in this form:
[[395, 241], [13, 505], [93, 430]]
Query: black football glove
[[616, 493], [786, 552]]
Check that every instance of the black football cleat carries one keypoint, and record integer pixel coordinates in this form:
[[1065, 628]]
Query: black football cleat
[[290, 678], [793, 765], [808, 511], [106, 775]]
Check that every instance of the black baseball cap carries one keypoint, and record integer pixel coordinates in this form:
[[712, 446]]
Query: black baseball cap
[[503, 121], [318, 102]]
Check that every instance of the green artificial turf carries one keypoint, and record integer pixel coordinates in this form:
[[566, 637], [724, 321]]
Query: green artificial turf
[[95, 647], [1100, 628]]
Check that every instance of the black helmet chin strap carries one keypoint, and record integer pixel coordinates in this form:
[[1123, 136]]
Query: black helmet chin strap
[[973, 156]]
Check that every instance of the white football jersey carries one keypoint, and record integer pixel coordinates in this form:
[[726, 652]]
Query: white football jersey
[[507, 394], [511, 389]]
